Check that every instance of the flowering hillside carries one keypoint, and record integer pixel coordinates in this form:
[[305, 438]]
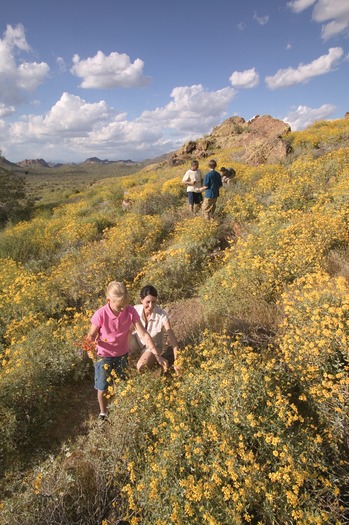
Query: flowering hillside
[[255, 429]]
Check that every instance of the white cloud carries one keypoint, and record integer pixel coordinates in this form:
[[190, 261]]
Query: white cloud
[[244, 79], [73, 128], [105, 72], [192, 108], [5, 110], [333, 14], [304, 72], [71, 115], [300, 5], [17, 80], [303, 116], [61, 64], [262, 20]]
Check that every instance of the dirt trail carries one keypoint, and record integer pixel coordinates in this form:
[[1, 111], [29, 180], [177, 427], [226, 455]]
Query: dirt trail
[[186, 317]]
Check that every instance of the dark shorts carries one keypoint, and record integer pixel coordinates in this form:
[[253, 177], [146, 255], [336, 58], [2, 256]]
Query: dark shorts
[[194, 197], [104, 367]]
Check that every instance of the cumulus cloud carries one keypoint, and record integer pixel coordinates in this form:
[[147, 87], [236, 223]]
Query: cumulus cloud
[[290, 76], [71, 115], [73, 128], [245, 79], [5, 110], [105, 72], [262, 20], [300, 5], [17, 80], [303, 116], [333, 14]]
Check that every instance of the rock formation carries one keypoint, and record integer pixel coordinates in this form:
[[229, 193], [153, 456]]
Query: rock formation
[[256, 141]]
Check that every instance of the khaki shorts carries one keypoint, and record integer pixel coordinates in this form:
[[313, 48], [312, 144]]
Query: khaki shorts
[[209, 207]]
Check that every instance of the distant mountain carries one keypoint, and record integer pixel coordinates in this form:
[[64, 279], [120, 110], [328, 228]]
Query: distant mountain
[[27, 163], [4, 163], [41, 163], [96, 160]]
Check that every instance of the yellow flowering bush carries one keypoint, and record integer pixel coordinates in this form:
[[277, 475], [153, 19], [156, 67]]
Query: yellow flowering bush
[[83, 275], [314, 346], [177, 269], [227, 443]]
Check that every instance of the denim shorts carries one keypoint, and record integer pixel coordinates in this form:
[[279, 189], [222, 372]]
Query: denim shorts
[[102, 372], [194, 197]]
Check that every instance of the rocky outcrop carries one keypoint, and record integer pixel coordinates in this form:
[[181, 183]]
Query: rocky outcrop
[[259, 140], [27, 163]]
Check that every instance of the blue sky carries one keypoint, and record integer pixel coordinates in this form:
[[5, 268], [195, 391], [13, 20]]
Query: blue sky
[[133, 79]]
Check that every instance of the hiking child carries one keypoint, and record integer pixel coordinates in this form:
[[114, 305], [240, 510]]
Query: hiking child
[[212, 183], [110, 327], [157, 323], [193, 180]]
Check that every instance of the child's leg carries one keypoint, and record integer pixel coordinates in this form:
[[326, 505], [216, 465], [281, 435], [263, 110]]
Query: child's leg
[[101, 385], [102, 401]]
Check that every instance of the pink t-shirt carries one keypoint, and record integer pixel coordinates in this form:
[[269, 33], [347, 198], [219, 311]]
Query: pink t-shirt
[[114, 329]]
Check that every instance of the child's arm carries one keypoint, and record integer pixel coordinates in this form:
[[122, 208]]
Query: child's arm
[[149, 343], [92, 333]]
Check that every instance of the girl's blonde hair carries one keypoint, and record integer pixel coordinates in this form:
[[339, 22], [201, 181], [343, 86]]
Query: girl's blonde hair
[[118, 291]]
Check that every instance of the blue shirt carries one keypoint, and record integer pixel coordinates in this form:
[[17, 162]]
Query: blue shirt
[[213, 181]]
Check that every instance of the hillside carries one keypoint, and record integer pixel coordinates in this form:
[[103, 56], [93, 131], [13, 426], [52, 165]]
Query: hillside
[[255, 428]]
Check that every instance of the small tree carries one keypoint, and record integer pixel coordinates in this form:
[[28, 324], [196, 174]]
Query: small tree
[[13, 201]]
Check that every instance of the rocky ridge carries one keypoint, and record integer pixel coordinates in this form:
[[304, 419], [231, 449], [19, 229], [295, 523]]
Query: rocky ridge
[[260, 140]]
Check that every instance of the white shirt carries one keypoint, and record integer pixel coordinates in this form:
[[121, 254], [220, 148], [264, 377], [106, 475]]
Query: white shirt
[[195, 177], [154, 327]]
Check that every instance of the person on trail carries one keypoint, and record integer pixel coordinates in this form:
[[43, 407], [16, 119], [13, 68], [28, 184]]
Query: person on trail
[[157, 323], [110, 328], [193, 180], [212, 183]]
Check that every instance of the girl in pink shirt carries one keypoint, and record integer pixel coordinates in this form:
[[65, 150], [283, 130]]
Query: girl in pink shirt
[[110, 326]]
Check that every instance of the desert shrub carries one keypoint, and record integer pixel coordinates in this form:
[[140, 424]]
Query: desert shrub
[[174, 187], [14, 204], [76, 488], [175, 270], [280, 248], [40, 357], [23, 294], [27, 241], [243, 209], [313, 343], [43, 241], [325, 135], [83, 276], [224, 443], [151, 199]]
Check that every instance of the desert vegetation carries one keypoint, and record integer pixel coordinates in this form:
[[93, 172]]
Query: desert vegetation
[[255, 429]]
